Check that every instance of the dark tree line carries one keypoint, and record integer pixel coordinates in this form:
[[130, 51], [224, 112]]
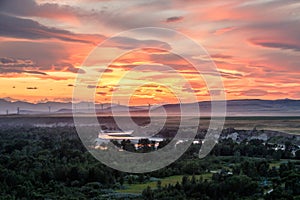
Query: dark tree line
[[52, 163], [247, 182]]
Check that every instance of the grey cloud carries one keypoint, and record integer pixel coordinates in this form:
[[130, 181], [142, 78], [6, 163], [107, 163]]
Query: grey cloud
[[30, 29], [31, 8], [34, 56], [260, 4], [18, 7], [18, 63], [277, 45], [174, 19], [19, 71], [280, 34], [35, 72], [10, 65], [91, 86], [44, 54], [131, 43], [7, 60], [113, 16]]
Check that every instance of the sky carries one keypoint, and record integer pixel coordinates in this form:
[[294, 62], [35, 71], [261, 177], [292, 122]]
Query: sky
[[45, 44]]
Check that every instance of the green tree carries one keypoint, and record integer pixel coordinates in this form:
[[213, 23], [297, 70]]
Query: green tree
[[148, 193]]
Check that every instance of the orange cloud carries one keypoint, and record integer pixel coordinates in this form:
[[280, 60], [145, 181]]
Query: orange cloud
[[255, 45]]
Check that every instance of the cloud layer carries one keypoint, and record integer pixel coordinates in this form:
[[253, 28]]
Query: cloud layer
[[255, 44]]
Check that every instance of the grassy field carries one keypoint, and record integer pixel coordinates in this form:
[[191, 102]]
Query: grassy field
[[278, 163], [139, 187]]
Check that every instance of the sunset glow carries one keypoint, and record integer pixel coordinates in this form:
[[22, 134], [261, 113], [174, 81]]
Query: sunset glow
[[254, 44]]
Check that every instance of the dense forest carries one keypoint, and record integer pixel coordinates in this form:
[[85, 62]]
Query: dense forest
[[52, 163]]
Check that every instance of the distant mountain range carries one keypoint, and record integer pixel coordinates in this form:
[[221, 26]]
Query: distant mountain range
[[245, 107]]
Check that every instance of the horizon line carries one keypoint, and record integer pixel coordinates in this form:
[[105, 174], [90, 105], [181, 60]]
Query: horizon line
[[147, 104]]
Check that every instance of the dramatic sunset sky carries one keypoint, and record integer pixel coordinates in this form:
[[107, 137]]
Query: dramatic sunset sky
[[254, 43]]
